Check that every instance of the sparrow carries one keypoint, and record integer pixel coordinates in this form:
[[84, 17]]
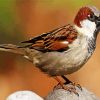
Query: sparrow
[[65, 49]]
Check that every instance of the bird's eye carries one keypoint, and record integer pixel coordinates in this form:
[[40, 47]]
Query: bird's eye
[[91, 17]]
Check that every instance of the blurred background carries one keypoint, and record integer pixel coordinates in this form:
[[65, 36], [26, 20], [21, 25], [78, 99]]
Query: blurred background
[[23, 19]]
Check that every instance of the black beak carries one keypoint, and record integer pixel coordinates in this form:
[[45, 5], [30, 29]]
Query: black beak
[[98, 23]]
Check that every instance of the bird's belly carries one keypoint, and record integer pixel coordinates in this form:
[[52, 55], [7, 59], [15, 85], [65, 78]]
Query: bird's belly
[[56, 63]]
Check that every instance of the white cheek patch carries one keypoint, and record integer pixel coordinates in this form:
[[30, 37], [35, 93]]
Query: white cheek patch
[[88, 28]]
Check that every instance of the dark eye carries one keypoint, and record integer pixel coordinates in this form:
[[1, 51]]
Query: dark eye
[[91, 17]]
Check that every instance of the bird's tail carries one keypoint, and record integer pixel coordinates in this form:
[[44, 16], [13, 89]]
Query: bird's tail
[[12, 48]]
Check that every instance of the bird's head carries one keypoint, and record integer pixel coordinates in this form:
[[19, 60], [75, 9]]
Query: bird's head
[[87, 21]]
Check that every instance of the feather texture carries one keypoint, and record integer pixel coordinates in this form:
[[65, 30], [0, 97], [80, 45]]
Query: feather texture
[[56, 40]]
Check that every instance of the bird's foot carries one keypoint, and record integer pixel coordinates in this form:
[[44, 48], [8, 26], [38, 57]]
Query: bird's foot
[[71, 88], [68, 85], [76, 85], [71, 83]]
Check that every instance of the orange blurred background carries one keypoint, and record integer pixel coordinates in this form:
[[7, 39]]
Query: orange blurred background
[[23, 19]]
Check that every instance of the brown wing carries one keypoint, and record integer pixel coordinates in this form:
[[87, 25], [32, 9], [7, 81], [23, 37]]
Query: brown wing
[[56, 40]]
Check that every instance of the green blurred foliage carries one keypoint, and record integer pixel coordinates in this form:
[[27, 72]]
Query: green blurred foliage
[[9, 30], [65, 3]]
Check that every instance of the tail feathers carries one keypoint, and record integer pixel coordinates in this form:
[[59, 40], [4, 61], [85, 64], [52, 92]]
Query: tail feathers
[[11, 48]]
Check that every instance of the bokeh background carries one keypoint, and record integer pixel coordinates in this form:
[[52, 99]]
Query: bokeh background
[[23, 19]]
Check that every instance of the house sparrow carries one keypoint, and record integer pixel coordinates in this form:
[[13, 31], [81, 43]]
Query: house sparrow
[[63, 50]]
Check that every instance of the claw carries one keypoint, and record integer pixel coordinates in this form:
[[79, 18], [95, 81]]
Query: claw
[[72, 89], [79, 86]]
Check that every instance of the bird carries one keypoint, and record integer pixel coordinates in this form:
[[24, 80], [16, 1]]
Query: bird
[[63, 50]]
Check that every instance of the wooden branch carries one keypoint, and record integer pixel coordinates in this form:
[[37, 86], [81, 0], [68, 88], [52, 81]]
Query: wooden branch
[[57, 94]]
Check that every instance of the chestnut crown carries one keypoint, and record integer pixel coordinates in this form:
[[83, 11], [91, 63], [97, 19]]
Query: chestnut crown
[[89, 12]]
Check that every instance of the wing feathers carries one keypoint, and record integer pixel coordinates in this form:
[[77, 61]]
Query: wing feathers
[[56, 40]]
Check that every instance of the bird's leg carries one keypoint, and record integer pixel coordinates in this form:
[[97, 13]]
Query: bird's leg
[[59, 82], [67, 81]]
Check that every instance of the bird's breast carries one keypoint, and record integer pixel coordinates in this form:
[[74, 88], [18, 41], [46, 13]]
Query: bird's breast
[[61, 63]]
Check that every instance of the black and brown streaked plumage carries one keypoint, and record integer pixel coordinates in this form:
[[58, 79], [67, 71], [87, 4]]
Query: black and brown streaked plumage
[[66, 49]]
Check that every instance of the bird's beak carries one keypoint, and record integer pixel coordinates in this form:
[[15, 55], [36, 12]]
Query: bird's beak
[[98, 22]]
